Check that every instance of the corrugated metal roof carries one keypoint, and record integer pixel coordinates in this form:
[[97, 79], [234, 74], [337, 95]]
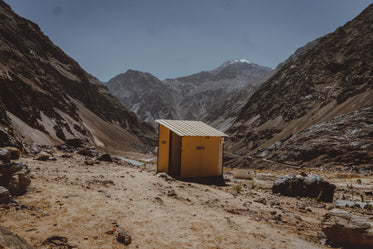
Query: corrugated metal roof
[[190, 128]]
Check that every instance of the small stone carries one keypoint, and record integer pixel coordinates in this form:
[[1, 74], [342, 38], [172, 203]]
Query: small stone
[[89, 162], [124, 237], [368, 192], [261, 200], [171, 193], [167, 177]]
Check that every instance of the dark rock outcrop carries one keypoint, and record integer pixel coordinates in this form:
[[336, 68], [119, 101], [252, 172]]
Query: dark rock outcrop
[[75, 142], [312, 186], [347, 230]]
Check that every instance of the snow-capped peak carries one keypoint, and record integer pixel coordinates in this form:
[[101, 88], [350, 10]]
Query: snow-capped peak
[[239, 61]]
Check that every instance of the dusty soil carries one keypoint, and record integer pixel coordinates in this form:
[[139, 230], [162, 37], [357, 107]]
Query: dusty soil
[[85, 203]]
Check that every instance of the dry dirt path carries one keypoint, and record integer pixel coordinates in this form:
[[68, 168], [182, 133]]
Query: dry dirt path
[[83, 203]]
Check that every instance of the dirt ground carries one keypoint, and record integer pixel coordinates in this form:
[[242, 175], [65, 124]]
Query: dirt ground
[[86, 204]]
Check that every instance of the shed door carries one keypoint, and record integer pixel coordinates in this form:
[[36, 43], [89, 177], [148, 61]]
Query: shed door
[[175, 155]]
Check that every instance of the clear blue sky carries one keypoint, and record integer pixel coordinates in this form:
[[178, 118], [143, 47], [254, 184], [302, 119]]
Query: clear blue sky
[[172, 38]]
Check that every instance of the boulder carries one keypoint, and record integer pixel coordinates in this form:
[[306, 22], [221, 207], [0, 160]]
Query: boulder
[[15, 177], [105, 157], [4, 195], [347, 230], [10, 240], [43, 156], [75, 142], [6, 139], [312, 186], [19, 182], [91, 152], [4, 156], [13, 152], [124, 237]]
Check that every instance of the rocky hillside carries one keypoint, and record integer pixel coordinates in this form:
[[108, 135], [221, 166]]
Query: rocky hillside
[[322, 91], [191, 97], [47, 97]]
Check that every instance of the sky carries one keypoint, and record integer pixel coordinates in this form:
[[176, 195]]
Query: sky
[[174, 38]]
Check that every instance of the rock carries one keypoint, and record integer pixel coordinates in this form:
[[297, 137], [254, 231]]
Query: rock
[[66, 156], [105, 157], [348, 230], [105, 193], [4, 156], [9, 153], [171, 193], [6, 139], [165, 176], [4, 195], [368, 192], [242, 174], [89, 162], [312, 186], [124, 237], [10, 240], [57, 242], [261, 200], [35, 149], [345, 203], [43, 156], [75, 142], [15, 177], [91, 152], [19, 182], [14, 153]]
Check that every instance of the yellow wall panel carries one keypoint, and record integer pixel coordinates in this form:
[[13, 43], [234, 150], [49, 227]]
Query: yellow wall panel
[[200, 156]]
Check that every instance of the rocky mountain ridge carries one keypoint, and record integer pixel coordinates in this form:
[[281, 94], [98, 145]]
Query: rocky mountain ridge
[[45, 92], [332, 78], [190, 97]]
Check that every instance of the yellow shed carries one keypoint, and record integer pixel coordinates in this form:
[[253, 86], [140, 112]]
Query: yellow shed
[[189, 149]]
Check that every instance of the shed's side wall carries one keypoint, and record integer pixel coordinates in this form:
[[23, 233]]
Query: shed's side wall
[[163, 149], [202, 161]]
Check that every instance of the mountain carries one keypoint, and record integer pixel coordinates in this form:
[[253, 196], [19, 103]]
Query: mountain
[[144, 94], [190, 97], [197, 93], [46, 97], [323, 90]]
